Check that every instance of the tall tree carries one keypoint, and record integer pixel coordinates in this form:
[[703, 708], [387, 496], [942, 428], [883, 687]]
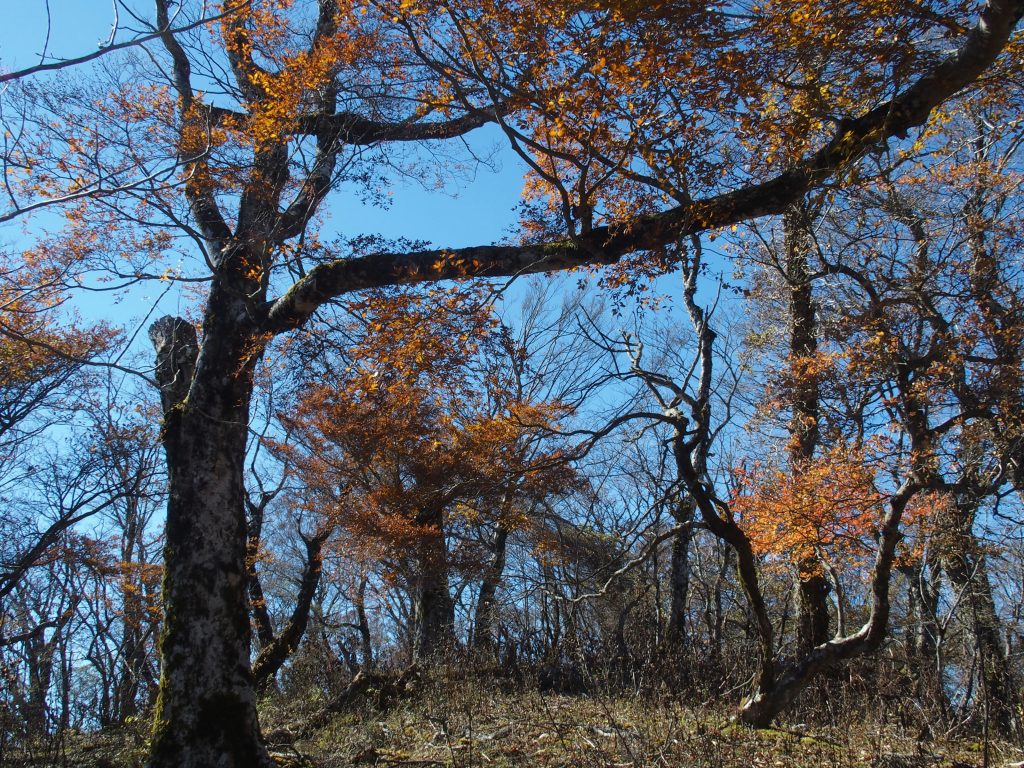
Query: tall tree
[[240, 176], [422, 433], [813, 621]]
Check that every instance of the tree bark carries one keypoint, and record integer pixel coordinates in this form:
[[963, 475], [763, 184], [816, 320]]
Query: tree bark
[[812, 589], [679, 586], [964, 563], [486, 609], [133, 648], [363, 625], [435, 609], [206, 709]]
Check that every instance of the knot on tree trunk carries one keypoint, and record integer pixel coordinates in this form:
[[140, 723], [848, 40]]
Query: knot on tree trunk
[[177, 348]]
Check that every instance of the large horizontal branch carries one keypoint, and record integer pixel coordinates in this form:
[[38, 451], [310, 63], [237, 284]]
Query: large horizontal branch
[[911, 108], [357, 130], [336, 278]]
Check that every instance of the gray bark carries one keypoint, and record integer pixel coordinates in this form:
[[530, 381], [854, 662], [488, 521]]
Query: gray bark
[[679, 574], [434, 631], [486, 609], [206, 709]]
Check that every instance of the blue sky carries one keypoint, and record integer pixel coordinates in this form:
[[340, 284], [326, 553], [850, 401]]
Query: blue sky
[[477, 210]]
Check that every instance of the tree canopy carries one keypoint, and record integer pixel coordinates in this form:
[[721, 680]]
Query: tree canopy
[[201, 149]]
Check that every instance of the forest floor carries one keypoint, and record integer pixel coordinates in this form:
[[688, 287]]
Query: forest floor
[[473, 727]]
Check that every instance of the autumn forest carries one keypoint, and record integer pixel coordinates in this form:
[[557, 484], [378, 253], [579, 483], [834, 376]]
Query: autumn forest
[[723, 437]]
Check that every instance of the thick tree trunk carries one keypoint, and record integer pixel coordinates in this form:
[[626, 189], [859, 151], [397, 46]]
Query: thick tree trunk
[[812, 606], [964, 563], [206, 708], [126, 690], [40, 657], [435, 618], [363, 625]]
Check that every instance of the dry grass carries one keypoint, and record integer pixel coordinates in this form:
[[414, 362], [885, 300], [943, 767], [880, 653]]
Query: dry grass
[[484, 724], [446, 723]]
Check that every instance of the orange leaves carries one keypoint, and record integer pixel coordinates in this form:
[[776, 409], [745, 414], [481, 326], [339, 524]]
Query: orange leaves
[[826, 504], [927, 514], [33, 344], [632, 106], [411, 337], [419, 424], [801, 372], [282, 73]]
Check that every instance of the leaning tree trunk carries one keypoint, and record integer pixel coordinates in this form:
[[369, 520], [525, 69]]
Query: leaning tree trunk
[[691, 441], [774, 692], [274, 654], [768, 702], [206, 709]]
